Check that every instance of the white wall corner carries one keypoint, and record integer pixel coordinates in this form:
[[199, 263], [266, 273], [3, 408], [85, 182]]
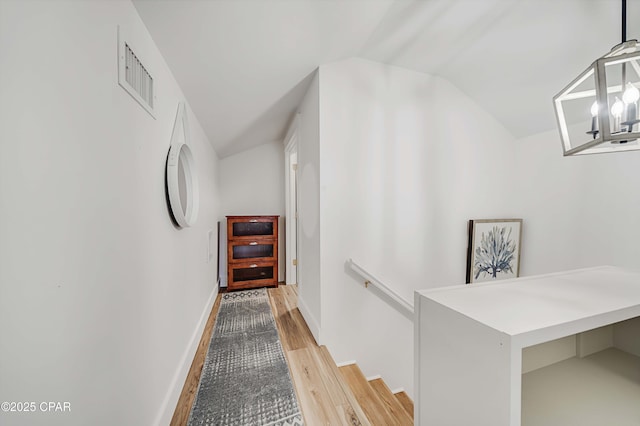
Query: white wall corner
[[173, 393], [417, 298], [311, 320], [291, 131]]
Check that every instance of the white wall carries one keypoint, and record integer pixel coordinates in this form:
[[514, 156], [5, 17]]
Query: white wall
[[252, 183], [309, 209], [579, 211], [101, 297], [406, 160]]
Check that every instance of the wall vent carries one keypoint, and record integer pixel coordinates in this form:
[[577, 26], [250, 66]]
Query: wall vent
[[138, 77], [133, 76]]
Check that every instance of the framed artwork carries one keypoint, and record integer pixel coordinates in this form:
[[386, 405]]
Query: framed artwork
[[494, 249]]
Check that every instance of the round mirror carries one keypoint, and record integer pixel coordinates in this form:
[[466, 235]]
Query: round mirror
[[182, 183]]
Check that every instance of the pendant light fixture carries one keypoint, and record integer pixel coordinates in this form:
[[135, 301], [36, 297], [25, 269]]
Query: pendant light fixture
[[598, 111]]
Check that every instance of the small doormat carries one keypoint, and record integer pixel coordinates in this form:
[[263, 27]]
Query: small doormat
[[245, 379]]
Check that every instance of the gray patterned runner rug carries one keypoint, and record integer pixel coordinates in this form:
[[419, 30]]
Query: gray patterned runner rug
[[245, 379]]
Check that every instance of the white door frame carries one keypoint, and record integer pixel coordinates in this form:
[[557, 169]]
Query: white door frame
[[291, 208]]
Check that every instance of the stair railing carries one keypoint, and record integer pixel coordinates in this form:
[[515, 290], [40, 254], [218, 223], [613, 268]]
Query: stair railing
[[405, 307]]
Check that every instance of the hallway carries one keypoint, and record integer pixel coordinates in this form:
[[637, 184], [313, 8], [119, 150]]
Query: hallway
[[327, 394]]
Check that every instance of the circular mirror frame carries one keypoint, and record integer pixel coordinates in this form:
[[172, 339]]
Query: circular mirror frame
[[180, 155]]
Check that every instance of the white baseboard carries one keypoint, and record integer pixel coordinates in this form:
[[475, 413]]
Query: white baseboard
[[345, 363], [173, 393], [314, 327], [375, 377], [398, 390]]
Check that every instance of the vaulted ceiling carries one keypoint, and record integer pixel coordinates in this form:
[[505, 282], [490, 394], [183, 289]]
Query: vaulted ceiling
[[244, 65]]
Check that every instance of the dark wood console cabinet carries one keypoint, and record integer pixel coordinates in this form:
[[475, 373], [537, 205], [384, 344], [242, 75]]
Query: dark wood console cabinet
[[252, 252]]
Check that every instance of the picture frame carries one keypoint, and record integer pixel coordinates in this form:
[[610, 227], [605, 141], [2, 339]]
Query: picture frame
[[493, 252]]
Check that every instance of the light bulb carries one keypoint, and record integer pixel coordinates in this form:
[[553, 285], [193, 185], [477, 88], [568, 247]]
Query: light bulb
[[630, 95], [617, 108], [594, 120]]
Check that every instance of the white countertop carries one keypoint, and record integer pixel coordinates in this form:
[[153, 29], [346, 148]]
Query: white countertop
[[528, 304]]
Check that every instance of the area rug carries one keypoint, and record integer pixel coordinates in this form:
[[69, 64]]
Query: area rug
[[245, 379]]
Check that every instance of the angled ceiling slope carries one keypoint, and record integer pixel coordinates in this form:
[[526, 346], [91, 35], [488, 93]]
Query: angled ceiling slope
[[245, 65]]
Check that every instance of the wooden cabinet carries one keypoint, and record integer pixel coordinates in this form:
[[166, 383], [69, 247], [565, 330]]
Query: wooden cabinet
[[252, 251]]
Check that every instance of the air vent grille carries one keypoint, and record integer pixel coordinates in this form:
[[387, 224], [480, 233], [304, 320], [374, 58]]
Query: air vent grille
[[138, 77], [133, 75]]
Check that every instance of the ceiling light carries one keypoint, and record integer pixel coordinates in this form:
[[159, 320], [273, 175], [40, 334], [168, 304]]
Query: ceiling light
[[599, 89]]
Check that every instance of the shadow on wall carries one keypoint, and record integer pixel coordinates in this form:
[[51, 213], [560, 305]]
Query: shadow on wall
[[166, 195]]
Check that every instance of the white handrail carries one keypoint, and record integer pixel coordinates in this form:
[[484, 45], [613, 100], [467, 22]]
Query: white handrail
[[370, 279]]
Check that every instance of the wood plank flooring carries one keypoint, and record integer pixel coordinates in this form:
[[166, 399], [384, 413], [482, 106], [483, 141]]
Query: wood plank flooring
[[368, 399], [406, 402], [350, 402], [292, 328], [391, 403], [323, 396], [327, 395]]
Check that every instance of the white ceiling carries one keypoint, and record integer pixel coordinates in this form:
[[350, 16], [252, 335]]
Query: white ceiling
[[245, 65]]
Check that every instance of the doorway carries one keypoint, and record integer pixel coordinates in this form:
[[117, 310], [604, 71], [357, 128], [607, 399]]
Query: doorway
[[291, 207]]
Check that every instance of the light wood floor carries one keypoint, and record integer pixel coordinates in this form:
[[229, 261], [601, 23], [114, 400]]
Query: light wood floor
[[325, 392], [325, 398]]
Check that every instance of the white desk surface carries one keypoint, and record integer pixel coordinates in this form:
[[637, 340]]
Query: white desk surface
[[527, 304]]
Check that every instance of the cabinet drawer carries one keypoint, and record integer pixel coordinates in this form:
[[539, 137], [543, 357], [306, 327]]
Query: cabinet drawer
[[258, 250], [249, 228], [252, 274]]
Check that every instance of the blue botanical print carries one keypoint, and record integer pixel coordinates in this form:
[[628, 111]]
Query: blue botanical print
[[495, 253]]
